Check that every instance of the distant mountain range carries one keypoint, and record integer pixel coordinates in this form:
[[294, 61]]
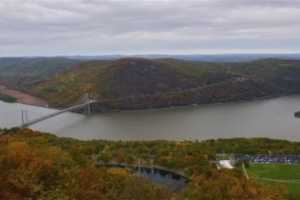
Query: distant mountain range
[[22, 73], [198, 57], [189, 57]]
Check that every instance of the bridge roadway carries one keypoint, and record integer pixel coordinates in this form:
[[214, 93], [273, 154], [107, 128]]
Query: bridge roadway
[[73, 108]]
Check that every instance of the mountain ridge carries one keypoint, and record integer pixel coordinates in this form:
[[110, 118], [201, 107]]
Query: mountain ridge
[[139, 83]]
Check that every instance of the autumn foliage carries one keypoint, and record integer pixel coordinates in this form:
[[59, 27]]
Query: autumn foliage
[[34, 165]]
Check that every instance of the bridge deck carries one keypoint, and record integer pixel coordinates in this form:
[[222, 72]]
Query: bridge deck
[[27, 124]]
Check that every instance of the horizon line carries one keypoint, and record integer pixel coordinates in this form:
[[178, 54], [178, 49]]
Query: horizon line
[[149, 54]]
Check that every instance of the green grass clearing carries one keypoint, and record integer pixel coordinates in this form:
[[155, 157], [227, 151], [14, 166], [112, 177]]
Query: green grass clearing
[[282, 174]]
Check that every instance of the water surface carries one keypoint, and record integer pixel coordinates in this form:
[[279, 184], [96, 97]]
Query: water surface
[[272, 118]]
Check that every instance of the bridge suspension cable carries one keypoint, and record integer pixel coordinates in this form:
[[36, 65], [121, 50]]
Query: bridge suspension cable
[[26, 123]]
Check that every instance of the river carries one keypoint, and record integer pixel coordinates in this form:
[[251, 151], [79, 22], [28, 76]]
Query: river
[[273, 118]]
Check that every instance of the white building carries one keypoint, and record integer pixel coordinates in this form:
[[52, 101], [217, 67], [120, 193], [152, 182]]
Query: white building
[[225, 164]]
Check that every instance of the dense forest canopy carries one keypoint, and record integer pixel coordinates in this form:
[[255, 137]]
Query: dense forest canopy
[[42, 166]]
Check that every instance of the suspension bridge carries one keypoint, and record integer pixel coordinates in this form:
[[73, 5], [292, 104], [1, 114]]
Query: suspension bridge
[[86, 104]]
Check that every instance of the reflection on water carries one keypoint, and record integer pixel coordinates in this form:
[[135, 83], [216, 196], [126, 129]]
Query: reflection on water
[[175, 181], [163, 177], [266, 118]]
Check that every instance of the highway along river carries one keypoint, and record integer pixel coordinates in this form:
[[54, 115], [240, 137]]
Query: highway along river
[[273, 118]]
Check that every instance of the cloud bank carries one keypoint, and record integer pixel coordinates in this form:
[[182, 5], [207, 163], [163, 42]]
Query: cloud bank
[[87, 27]]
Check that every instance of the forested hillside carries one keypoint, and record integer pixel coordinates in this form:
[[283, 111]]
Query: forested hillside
[[137, 83], [24, 73], [36, 165]]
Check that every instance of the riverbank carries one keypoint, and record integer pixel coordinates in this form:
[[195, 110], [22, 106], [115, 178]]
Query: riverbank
[[25, 98], [195, 105], [8, 99], [22, 97]]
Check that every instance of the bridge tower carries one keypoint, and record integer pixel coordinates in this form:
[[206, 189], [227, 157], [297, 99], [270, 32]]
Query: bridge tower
[[89, 109], [88, 100], [85, 99], [24, 117]]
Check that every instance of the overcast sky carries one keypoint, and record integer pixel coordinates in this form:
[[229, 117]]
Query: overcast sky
[[91, 27]]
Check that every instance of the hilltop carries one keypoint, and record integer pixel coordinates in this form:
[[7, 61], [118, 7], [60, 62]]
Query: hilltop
[[131, 82], [138, 83]]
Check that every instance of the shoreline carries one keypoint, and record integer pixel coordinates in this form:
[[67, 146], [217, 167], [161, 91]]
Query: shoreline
[[27, 99], [200, 104], [22, 97]]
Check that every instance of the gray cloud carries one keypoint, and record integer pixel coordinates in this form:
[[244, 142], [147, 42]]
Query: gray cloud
[[53, 27]]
